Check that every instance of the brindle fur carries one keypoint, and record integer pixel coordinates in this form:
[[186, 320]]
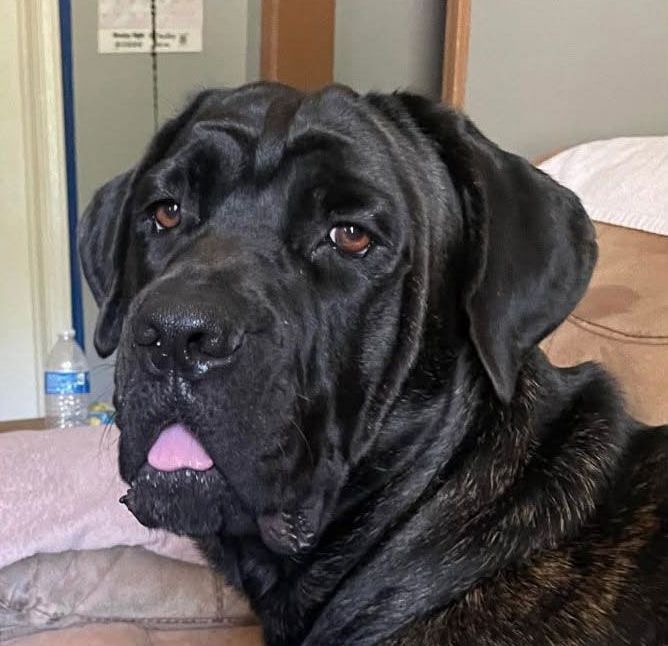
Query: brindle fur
[[594, 570]]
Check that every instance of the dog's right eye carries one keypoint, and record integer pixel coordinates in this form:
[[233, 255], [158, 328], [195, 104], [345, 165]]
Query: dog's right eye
[[166, 214], [350, 239]]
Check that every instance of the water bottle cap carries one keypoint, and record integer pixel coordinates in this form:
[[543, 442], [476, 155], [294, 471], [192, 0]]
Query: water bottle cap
[[67, 334]]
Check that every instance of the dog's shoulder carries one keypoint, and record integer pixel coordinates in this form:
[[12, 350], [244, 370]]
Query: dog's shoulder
[[608, 585]]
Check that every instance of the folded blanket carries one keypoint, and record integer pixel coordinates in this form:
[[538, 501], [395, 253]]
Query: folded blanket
[[59, 491], [622, 181]]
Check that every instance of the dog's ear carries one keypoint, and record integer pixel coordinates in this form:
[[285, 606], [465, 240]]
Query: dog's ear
[[101, 249], [530, 247], [104, 235]]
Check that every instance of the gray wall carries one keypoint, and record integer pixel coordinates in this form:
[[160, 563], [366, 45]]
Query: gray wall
[[389, 44], [254, 38], [547, 74], [114, 105]]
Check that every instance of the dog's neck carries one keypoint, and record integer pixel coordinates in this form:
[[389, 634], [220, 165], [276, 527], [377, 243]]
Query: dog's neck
[[455, 499]]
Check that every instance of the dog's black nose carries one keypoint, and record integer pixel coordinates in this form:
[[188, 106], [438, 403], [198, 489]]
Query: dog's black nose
[[188, 335]]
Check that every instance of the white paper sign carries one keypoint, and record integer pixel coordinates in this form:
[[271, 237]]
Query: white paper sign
[[124, 26]]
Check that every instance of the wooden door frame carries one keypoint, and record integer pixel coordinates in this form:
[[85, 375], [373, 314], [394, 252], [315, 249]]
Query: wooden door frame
[[456, 52], [297, 42]]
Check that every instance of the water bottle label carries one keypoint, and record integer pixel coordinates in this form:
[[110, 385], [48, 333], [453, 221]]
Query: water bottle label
[[66, 383]]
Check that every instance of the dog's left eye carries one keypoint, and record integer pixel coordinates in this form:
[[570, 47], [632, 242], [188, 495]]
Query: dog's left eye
[[350, 239], [166, 214]]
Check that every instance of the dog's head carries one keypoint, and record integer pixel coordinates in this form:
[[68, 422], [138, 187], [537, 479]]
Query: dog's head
[[281, 269]]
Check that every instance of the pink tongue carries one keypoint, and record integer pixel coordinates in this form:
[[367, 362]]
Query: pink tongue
[[177, 448]]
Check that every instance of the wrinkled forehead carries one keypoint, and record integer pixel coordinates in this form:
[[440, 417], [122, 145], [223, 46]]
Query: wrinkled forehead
[[274, 122], [279, 111]]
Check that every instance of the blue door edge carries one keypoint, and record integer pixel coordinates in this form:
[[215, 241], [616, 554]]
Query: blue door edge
[[65, 17]]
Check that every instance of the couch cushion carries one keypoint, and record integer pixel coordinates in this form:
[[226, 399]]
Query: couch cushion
[[622, 321], [628, 295]]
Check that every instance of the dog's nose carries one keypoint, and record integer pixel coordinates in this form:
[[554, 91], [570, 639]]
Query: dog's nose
[[187, 336]]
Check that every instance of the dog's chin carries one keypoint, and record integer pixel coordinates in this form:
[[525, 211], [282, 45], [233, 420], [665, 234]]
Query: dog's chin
[[186, 502], [195, 503]]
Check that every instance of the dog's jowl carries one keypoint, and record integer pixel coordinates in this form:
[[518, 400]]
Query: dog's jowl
[[326, 311]]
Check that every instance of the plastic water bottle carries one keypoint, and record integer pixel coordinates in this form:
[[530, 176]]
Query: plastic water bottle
[[66, 383]]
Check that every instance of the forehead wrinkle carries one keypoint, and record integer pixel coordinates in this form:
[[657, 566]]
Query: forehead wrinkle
[[241, 131], [272, 142], [306, 137]]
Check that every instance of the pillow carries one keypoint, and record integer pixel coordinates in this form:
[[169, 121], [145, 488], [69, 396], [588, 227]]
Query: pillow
[[621, 181]]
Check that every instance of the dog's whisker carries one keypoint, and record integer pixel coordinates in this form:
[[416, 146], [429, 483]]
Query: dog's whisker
[[306, 442], [104, 436], [282, 449]]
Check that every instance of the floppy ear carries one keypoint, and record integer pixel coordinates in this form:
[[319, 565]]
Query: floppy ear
[[104, 235], [101, 233], [530, 249]]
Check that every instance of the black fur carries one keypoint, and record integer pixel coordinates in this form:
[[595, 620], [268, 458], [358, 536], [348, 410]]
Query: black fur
[[395, 460]]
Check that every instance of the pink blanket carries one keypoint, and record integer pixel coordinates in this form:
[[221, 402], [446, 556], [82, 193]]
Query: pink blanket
[[59, 491]]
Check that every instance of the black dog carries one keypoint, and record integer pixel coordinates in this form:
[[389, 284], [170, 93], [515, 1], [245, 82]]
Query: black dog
[[326, 309]]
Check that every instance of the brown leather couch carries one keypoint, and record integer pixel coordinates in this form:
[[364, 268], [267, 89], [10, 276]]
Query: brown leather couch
[[622, 322]]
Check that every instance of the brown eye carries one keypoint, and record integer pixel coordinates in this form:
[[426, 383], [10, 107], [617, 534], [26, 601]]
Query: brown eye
[[166, 215], [350, 239]]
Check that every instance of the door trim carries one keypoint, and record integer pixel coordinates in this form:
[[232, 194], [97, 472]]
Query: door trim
[[297, 42], [456, 52]]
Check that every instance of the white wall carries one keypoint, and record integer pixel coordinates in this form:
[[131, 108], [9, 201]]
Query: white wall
[[547, 74], [34, 245], [19, 378]]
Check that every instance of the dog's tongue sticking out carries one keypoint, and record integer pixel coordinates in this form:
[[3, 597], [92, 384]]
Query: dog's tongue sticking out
[[177, 448]]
